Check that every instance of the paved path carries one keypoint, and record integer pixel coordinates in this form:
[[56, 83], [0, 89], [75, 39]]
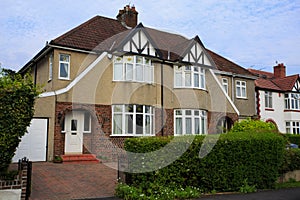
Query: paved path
[[72, 181]]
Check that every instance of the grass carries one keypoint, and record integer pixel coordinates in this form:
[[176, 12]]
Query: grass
[[292, 183]]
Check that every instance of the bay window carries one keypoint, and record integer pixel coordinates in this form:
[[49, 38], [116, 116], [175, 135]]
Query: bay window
[[189, 77], [133, 120], [292, 101], [190, 122], [133, 68], [292, 127]]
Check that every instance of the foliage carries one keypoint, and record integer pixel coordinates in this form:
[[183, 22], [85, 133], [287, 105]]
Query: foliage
[[295, 139], [250, 125], [235, 158], [291, 160], [290, 184], [17, 95], [246, 188], [125, 191]]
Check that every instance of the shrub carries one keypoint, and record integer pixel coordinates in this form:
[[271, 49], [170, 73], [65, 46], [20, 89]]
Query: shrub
[[250, 125], [17, 95], [291, 160], [295, 139], [237, 157]]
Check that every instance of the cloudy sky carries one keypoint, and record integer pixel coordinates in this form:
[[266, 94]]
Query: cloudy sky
[[252, 33]]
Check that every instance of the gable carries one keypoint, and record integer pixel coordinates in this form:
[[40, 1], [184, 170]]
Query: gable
[[296, 87], [197, 55], [139, 41]]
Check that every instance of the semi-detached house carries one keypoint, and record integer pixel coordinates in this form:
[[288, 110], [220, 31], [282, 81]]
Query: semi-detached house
[[109, 79]]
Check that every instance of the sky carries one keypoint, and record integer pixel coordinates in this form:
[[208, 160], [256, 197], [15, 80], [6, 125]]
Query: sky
[[255, 34]]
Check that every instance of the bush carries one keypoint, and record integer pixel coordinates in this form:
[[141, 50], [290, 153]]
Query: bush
[[17, 96], [295, 139], [291, 160], [235, 158], [250, 125]]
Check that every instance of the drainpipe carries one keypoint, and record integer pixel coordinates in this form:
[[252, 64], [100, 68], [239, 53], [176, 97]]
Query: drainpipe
[[162, 98]]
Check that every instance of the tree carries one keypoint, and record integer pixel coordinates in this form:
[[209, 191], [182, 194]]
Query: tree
[[17, 96]]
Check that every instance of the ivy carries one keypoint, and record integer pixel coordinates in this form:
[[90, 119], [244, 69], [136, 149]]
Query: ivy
[[17, 96]]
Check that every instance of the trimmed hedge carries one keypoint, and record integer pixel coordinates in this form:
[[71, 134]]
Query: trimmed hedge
[[238, 157], [291, 161], [295, 139]]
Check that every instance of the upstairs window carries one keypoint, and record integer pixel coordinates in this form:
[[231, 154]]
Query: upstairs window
[[50, 67], [225, 85], [241, 89], [268, 99], [133, 68], [64, 66], [189, 77], [190, 122], [292, 101], [292, 127]]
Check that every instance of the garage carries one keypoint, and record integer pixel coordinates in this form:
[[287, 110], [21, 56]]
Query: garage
[[33, 144]]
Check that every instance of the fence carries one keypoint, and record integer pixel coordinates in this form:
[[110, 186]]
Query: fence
[[21, 181]]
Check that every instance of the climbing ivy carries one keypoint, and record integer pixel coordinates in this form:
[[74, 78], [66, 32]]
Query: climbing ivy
[[17, 96]]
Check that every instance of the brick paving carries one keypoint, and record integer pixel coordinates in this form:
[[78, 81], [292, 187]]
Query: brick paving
[[72, 181]]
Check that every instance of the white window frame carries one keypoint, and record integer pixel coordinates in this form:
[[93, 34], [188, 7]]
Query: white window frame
[[68, 66], [87, 114], [292, 127], [129, 68], [292, 101], [193, 115], [242, 86], [50, 67], [268, 99], [225, 84], [181, 74], [120, 109]]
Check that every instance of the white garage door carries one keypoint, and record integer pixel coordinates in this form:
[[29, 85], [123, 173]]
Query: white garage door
[[33, 144]]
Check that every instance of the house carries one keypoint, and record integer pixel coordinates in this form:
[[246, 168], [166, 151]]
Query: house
[[278, 98], [109, 79]]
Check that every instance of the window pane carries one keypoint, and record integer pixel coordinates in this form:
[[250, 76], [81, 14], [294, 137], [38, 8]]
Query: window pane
[[139, 124], [139, 72], [64, 70], [117, 124], [129, 72], [139, 109], [238, 91], [129, 124], [188, 112], [196, 80], [178, 112], [188, 126], [118, 108], [202, 80], [188, 79], [118, 71], [243, 92], [148, 124], [147, 109], [178, 79], [178, 126], [73, 125], [87, 122], [197, 126], [128, 108], [64, 58]]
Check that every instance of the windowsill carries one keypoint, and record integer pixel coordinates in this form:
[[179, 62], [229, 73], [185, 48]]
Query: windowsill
[[129, 135], [121, 81], [269, 109], [49, 80], [242, 98], [191, 88], [64, 79], [289, 110]]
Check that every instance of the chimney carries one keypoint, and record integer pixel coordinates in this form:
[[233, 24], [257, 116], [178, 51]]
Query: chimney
[[279, 71], [128, 16]]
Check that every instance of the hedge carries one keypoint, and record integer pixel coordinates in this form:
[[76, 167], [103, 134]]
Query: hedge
[[236, 158], [291, 160], [295, 139]]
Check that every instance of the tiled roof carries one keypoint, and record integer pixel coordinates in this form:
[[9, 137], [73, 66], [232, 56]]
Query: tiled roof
[[226, 65], [103, 34], [268, 81]]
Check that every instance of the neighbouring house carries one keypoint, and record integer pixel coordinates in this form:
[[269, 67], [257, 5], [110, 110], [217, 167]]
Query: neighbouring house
[[109, 79], [278, 98]]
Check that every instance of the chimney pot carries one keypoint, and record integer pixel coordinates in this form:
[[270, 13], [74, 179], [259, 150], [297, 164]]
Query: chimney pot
[[128, 16]]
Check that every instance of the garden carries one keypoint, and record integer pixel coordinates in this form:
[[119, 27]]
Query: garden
[[250, 157]]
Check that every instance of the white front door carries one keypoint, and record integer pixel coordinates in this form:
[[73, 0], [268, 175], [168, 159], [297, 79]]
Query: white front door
[[74, 132]]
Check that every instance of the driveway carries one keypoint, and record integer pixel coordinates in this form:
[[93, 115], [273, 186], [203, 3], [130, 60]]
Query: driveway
[[72, 181]]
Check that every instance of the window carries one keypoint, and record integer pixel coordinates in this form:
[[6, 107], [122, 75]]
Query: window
[[87, 123], [50, 66], [190, 122], [292, 127], [189, 77], [225, 84], [64, 66], [135, 120], [241, 89], [292, 101], [133, 68], [268, 99]]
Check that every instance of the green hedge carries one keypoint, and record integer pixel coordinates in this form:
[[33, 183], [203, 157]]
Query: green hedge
[[295, 139], [291, 160], [237, 158]]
